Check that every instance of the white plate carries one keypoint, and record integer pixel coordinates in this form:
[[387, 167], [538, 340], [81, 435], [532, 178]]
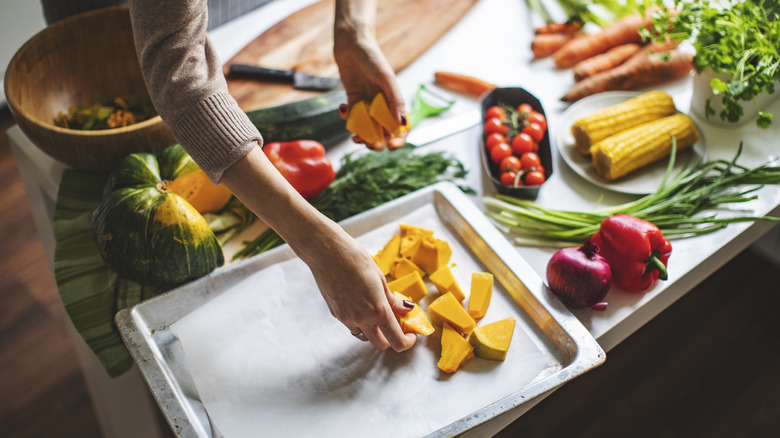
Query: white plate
[[640, 182]]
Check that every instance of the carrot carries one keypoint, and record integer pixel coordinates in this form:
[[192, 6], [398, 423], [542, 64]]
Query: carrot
[[639, 71], [604, 61], [546, 44], [552, 27], [462, 83], [623, 31]]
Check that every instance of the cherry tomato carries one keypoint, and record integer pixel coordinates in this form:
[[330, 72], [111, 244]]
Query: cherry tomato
[[494, 124], [499, 152], [524, 108], [493, 139], [529, 160], [510, 163], [534, 178], [523, 143], [509, 178], [495, 111], [538, 118], [535, 131]]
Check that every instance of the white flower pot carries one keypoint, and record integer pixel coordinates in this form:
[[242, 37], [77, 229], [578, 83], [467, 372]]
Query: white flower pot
[[702, 91]]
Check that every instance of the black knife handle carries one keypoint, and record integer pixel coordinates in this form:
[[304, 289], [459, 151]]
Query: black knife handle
[[270, 73]]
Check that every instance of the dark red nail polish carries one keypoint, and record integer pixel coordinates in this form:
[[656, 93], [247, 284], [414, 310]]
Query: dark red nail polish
[[343, 108], [408, 304], [403, 119]]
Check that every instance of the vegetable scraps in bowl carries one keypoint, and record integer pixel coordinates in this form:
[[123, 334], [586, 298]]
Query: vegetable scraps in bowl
[[115, 113]]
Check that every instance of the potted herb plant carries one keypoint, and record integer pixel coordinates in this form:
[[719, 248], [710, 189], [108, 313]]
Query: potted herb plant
[[737, 54]]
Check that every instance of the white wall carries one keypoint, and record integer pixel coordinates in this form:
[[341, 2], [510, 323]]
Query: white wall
[[19, 21]]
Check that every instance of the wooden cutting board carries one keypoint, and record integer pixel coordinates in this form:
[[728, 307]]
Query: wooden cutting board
[[304, 41]]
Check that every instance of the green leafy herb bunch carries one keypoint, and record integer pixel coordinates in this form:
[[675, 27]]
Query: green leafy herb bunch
[[740, 39]]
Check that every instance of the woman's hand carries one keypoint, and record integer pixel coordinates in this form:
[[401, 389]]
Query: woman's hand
[[363, 67], [348, 278], [356, 291]]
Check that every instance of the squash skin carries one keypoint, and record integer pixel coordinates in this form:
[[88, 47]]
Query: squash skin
[[148, 234]]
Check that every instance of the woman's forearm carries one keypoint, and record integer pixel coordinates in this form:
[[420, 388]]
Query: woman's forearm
[[354, 19]]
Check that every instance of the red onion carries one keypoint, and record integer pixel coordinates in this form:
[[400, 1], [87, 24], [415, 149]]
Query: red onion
[[579, 276]]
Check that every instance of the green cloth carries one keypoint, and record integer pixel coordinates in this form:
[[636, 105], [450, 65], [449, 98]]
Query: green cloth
[[90, 291]]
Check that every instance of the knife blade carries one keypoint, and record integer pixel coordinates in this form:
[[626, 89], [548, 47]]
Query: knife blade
[[301, 81], [440, 129]]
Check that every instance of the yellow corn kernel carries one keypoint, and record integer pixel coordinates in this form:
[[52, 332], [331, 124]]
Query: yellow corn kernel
[[591, 129], [633, 148]]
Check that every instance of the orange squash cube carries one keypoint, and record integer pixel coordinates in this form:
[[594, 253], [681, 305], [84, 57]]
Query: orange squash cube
[[480, 294], [411, 285], [380, 111], [445, 282], [415, 321], [492, 341], [388, 254], [448, 309], [455, 350], [360, 123], [403, 267]]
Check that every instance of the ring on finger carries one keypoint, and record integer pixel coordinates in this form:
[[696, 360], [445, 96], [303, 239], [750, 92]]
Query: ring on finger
[[358, 334]]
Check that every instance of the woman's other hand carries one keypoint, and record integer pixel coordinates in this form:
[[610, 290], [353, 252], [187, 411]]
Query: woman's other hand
[[363, 67]]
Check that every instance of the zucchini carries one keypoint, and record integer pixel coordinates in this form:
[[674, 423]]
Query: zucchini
[[316, 118]]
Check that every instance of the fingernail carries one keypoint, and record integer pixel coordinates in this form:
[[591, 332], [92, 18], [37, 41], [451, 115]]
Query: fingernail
[[343, 108], [403, 119], [408, 304]]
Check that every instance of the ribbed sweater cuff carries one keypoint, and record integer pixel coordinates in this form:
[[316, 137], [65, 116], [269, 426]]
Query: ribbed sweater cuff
[[216, 133]]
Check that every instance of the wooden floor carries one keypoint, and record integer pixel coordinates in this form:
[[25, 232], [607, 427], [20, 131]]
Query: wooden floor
[[706, 367]]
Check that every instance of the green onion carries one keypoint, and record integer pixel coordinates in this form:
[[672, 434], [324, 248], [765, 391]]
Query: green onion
[[677, 207]]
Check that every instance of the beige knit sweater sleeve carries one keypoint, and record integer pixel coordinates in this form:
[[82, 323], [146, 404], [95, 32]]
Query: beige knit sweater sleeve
[[184, 77]]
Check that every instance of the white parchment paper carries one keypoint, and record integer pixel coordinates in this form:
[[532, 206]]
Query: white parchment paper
[[268, 359]]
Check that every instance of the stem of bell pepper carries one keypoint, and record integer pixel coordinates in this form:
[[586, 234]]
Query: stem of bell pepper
[[653, 262]]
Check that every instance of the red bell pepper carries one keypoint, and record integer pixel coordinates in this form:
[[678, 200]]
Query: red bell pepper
[[636, 250], [303, 164]]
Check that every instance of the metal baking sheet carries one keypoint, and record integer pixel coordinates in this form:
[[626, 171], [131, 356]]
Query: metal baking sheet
[[159, 355]]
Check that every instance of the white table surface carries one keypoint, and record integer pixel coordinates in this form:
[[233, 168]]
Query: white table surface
[[493, 43]]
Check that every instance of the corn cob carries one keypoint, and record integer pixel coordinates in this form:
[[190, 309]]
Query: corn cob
[[641, 145], [641, 109]]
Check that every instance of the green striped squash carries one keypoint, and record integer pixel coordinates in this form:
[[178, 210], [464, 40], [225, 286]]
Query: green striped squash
[[145, 232]]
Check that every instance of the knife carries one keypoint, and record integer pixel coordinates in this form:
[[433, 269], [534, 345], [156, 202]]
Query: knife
[[301, 81], [441, 129]]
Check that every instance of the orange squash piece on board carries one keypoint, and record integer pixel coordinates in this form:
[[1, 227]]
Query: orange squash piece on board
[[480, 294], [455, 350], [448, 309], [410, 230], [411, 236], [491, 341], [411, 285], [380, 111], [415, 321], [198, 190], [445, 282], [360, 123], [403, 267], [388, 254], [431, 254]]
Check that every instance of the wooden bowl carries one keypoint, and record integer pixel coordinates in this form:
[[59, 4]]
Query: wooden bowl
[[80, 60]]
